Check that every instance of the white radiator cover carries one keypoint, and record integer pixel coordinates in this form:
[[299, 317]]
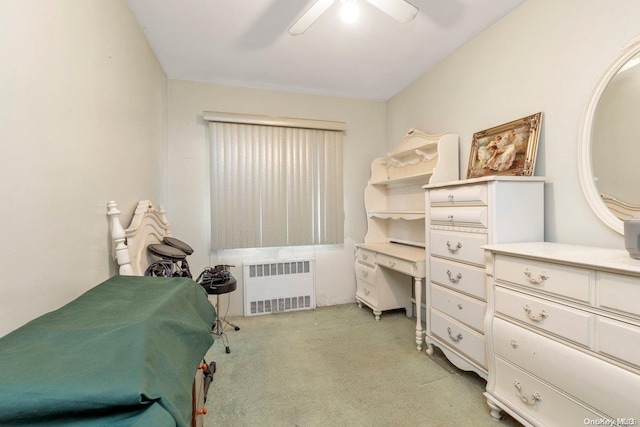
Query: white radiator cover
[[278, 286]]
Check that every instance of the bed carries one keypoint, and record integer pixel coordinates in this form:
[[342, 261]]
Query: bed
[[148, 226], [125, 353]]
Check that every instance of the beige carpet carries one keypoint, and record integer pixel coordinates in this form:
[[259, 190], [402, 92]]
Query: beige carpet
[[338, 366]]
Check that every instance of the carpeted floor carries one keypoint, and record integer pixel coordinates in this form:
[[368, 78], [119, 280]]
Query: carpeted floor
[[338, 366]]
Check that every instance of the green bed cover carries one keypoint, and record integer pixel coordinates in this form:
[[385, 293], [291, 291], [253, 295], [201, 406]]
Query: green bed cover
[[123, 354]]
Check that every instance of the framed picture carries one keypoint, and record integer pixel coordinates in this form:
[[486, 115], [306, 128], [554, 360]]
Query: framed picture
[[508, 149]]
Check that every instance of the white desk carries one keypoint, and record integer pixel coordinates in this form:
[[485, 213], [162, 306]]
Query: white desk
[[393, 251], [381, 269]]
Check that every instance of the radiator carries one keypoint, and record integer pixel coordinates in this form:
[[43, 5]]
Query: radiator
[[278, 286]]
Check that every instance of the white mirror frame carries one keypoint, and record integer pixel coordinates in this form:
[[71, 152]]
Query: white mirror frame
[[585, 165]]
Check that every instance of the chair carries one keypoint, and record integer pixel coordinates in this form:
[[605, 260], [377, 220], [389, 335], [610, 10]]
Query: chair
[[218, 281]]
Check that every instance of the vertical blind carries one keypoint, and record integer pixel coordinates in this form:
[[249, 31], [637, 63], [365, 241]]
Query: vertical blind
[[275, 186]]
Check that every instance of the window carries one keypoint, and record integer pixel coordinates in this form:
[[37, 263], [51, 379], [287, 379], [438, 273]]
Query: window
[[275, 185]]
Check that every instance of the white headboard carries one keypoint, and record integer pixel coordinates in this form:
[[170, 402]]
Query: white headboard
[[148, 226]]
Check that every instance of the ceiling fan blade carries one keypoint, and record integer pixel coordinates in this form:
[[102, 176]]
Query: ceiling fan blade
[[309, 17], [400, 10]]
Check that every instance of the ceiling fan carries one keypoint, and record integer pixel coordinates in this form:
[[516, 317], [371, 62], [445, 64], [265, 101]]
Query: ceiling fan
[[400, 10]]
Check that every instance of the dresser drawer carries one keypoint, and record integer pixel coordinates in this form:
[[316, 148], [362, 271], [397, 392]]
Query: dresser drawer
[[397, 264], [566, 281], [557, 319], [460, 277], [367, 292], [465, 247], [468, 194], [366, 256], [459, 337], [365, 272], [611, 389], [537, 400], [460, 217], [619, 293], [619, 340], [465, 309]]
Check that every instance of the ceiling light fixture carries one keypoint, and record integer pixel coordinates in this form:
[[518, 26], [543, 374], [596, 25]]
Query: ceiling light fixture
[[349, 11], [400, 10]]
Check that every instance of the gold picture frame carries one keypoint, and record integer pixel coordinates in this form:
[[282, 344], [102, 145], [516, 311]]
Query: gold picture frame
[[508, 149]]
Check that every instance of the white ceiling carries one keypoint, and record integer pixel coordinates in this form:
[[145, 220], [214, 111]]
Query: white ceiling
[[245, 43]]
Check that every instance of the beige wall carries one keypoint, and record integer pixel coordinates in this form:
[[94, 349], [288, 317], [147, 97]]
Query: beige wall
[[83, 106], [188, 206], [546, 56], [85, 109]]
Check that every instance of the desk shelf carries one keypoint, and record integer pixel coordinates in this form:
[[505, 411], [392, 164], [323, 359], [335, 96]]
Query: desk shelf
[[393, 252], [406, 215], [418, 178]]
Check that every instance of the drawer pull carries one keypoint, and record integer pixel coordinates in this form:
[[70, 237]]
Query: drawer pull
[[365, 273], [366, 291], [535, 317], [455, 338], [450, 196], [450, 217], [454, 249], [365, 256], [541, 278], [454, 279], [460, 306], [535, 397], [392, 263], [514, 344]]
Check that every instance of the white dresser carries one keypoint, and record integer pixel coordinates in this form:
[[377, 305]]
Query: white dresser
[[462, 216], [392, 255], [563, 329]]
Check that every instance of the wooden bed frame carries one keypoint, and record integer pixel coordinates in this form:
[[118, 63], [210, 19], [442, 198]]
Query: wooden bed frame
[[148, 226]]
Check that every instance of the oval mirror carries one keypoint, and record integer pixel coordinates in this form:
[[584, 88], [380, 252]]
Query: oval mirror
[[608, 146]]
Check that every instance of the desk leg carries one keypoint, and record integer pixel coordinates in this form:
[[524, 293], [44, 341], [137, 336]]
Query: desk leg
[[418, 295]]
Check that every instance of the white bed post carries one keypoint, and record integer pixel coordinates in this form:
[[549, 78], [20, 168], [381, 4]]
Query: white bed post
[[163, 217], [119, 237]]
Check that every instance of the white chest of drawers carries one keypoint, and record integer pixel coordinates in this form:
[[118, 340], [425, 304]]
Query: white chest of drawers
[[563, 334], [461, 218]]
